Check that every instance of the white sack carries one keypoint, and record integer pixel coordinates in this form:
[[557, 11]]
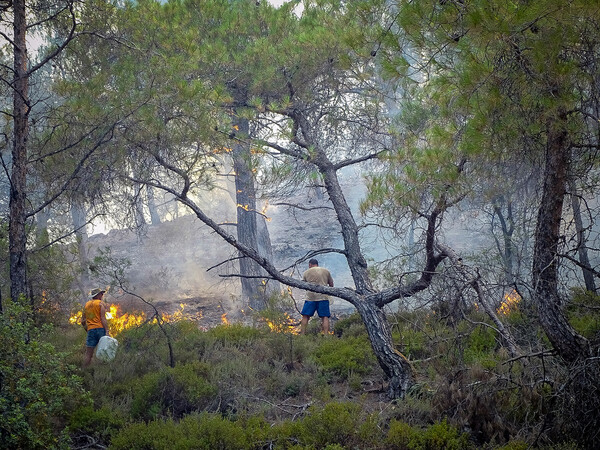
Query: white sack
[[107, 348]]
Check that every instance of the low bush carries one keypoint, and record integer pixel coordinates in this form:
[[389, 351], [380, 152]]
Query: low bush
[[350, 326], [480, 346], [235, 334], [335, 425], [98, 426], [584, 313], [439, 436], [343, 357], [173, 392], [195, 431]]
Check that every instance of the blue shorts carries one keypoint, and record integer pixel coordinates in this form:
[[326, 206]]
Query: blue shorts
[[320, 306], [93, 336]]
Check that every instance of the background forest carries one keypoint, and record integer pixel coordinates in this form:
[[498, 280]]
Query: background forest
[[441, 156]]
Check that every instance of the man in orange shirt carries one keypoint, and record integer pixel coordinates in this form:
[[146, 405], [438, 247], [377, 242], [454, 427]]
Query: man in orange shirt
[[94, 321], [315, 301]]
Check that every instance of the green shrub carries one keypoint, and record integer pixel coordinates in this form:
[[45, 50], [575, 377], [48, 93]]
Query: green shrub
[[480, 346], [412, 342], [173, 392], [199, 432], [97, 424], [350, 326], [235, 333], [342, 357], [400, 435], [439, 436], [443, 436], [37, 388], [334, 424], [583, 313]]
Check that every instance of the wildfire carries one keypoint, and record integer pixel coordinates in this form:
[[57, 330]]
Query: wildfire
[[286, 325], [510, 303], [75, 319], [119, 321], [224, 320]]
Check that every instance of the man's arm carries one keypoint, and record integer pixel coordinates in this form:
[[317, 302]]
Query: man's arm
[[103, 318], [330, 280]]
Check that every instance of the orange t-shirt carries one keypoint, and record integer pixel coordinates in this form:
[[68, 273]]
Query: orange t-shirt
[[92, 314]]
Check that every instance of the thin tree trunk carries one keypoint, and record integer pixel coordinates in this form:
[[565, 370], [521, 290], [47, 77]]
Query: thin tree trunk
[[588, 276], [266, 249], [18, 179], [567, 342], [41, 225], [253, 286], [154, 215], [79, 223], [507, 251]]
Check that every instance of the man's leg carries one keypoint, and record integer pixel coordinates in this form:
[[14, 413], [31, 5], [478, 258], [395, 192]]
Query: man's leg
[[303, 324], [325, 325], [89, 352]]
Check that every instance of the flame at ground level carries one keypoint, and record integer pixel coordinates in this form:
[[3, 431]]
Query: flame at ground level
[[510, 303], [119, 321], [286, 324]]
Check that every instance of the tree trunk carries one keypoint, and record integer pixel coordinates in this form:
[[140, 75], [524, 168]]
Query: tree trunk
[[588, 276], [154, 215], [567, 342], [41, 225], [507, 251], [79, 224], [18, 179], [266, 249], [138, 209], [253, 286], [396, 367], [356, 260]]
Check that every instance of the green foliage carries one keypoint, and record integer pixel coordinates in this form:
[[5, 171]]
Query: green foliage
[[37, 388], [437, 436], [413, 342], [342, 357], [480, 346], [337, 423], [98, 424], [236, 334], [351, 325], [584, 313], [203, 431], [173, 392]]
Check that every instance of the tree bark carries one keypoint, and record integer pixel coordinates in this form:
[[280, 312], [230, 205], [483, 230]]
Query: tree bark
[[18, 179], [588, 276], [154, 215], [398, 370], [253, 286], [266, 249], [507, 252], [566, 341], [79, 223]]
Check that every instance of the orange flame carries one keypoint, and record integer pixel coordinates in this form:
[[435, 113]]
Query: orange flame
[[119, 321], [286, 325], [224, 320], [510, 303]]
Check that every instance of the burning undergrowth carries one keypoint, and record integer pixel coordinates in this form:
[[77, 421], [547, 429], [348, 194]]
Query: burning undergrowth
[[129, 312]]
